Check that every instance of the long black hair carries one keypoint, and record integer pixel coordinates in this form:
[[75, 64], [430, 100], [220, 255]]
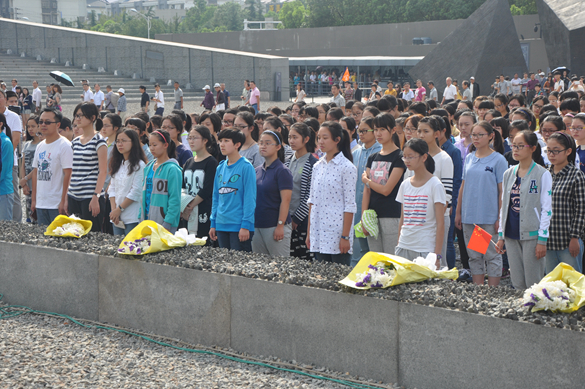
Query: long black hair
[[387, 121], [187, 122], [211, 145], [278, 139], [421, 147], [249, 119], [337, 132], [165, 137], [138, 123], [303, 130], [532, 140], [351, 125], [568, 143], [503, 123], [177, 122], [279, 126], [136, 153], [214, 118], [5, 128], [498, 142], [90, 111], [34, 118]]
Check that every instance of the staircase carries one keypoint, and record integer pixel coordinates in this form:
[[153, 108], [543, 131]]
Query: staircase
[[27, 69]]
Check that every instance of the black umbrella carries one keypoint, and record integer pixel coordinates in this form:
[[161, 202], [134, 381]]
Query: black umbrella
[[562, 69], [62, 78]]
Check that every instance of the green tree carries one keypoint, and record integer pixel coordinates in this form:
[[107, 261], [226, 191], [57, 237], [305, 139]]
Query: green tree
[[229, 16], [523, 7], [292, 14]]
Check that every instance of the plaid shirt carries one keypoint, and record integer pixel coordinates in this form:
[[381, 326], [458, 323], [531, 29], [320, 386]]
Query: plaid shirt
[[568, 207]]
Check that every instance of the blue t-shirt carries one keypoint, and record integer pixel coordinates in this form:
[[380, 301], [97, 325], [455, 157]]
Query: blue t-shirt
[[480, 200], [581, 153], [269, 182], [513, 220], [149, 175]]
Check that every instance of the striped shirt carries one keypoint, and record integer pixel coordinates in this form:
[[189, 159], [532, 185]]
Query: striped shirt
[[85, 167]]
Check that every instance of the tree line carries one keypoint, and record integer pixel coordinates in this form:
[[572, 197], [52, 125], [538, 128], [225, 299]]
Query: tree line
[[293, 14]]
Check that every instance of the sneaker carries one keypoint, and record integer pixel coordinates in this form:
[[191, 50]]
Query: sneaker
[[505, 273]]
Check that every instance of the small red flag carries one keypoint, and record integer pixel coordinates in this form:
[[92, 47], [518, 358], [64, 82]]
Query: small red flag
[[345, 77], [479, 241]]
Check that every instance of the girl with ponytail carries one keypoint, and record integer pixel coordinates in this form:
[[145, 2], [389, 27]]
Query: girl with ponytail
[[423, 199], [480, 199], [332, 197]]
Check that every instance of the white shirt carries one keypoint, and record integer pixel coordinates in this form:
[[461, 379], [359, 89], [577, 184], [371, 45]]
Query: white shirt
[[332, 194], [15, 124], [561, 84], [419, 228], [408, 96], [444, 172], [37, 96], [450, 92], [160, 96], [124, 185], [98, 97], [50, 160], [516, 85], [87, 95]]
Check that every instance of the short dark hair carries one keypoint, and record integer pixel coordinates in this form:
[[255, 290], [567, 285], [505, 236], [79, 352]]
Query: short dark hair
[[140, 87], [56, 112], [235, 135]]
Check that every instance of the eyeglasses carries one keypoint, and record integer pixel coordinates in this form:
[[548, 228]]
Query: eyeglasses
[[406, 159], [554, 152], [547, 132], [296, 110], [365, 131], [539, 106], [478, 136], [577, 128], [193, 138], [241, 127], [519, 147], [228, 122], [166, 128], [266, 143], [409, 129], [78, 116], [120, 141], [355, 115], [47, 122]]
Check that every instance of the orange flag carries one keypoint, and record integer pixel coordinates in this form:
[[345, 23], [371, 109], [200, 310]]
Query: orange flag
[[345, 75], [480, 240]]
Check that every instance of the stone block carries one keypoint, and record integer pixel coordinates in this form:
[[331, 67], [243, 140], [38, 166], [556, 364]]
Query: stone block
[[341, 331], [181, 303], [440, 348], [48, 279]]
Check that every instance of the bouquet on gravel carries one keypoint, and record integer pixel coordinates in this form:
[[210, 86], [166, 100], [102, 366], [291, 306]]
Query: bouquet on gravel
[[68, 227], [138, 246], [378, 276]]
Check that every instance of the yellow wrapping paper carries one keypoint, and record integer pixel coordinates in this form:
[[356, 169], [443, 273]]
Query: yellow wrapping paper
[[573, 279], [406, 271], [62, 220], [160, 238]]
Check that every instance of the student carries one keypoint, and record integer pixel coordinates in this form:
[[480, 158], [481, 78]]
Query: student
[[302, 141], [382, 178], [332, 199], [66, 129], [139, 126], [465, 122], [273, 123], [568, 204], [274, 183], [52, 169], [514, 128], [161, 185], [578, 132], [174, 126], [550, 123], [234, 195], [429, 130], [111, 125], [7, 162], [479, 199], [423, 200], [526, 212], [198, 175], [33, 138], [368, 147], [244, 122], [90, 166], [127, 171]]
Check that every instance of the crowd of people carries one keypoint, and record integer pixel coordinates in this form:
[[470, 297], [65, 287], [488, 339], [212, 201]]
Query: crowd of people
[[297, 181]]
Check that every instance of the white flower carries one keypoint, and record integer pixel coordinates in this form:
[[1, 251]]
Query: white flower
[[72, 227], [138, 246], [552, 296]]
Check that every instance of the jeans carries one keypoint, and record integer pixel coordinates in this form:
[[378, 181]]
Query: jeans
[[343, 259], [255, 106], [16, 206], [46, 216], [124, 231], [6, 202], [554, 257], [177, 105], [230, 240], [159, 111]]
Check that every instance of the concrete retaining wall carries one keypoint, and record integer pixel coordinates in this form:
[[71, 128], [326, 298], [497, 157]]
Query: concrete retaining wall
[[147, 58], [415, 345]]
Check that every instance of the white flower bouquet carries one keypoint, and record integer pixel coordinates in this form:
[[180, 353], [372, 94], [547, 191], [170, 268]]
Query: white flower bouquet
[[74, 228], [378, 276], [550, 296], [138, 246]]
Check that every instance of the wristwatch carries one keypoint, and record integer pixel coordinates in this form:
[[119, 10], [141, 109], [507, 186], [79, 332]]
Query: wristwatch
[[96, 194], [280, 222], [345, 237], [121, 209]]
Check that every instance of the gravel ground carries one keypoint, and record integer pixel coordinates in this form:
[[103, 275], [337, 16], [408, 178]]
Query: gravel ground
[[501, 302], [44, 352]]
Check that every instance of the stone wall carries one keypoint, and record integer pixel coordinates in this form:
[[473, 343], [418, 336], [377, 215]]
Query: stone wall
[[147, 58], [414, 345]]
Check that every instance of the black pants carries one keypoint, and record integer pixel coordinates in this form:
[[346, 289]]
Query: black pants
[[462, 248], [80, 208]]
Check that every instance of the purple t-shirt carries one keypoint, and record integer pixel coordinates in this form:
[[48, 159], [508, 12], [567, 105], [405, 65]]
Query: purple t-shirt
[[269, 182], [464, 150]]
